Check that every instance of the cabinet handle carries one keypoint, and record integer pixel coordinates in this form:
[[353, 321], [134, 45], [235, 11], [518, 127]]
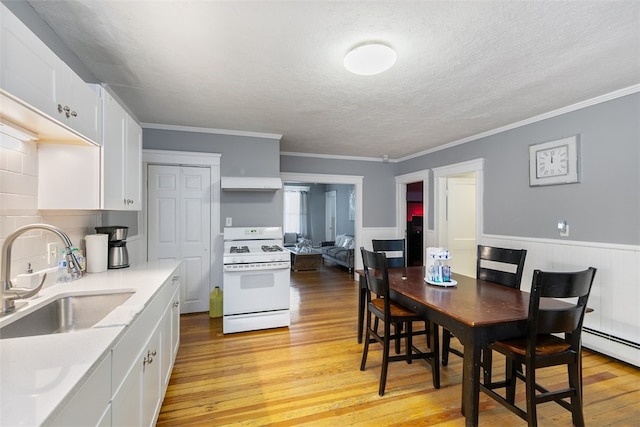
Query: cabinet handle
[[176, 303], [148, 359], [60, 109], [74, 114]]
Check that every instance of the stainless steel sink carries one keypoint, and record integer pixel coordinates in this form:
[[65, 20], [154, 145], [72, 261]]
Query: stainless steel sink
[[65, 314]]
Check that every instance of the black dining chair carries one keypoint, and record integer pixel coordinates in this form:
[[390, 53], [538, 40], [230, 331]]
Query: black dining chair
[[380, 306], [497, 265], [540, 349], [394, 249]]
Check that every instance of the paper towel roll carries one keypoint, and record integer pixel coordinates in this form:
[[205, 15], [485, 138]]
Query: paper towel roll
[[97, 252]]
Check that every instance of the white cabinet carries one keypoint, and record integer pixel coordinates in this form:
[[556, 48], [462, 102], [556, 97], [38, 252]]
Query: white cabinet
[[78, 104], [122, 157], [32, 74], [140, 371], [107, 177], [27, 65], [171, 334], [63, 186]]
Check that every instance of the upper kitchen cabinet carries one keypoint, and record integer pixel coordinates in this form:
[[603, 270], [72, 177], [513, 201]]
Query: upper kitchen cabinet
[[121, 157], [39, 92], [78, 103]]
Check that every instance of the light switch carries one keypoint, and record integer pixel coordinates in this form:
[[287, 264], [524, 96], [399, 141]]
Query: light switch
[[228, 222]]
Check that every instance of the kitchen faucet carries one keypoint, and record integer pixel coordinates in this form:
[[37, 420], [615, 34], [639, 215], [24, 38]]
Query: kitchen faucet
[[8, 294]]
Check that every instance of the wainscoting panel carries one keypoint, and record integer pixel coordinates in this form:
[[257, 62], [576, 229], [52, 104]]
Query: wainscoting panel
[[613, 328]]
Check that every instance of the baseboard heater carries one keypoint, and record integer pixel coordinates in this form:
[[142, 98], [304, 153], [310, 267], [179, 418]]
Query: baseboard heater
[[612, 338]]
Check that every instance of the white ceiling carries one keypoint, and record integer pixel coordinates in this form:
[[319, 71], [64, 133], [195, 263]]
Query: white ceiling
[[463, 68]]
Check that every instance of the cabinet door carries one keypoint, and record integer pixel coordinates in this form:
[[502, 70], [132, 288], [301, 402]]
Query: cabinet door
[[133, 166], [78, 104], [151, 379], [125, 405], [113, 137], [27, 65], [175, 322]]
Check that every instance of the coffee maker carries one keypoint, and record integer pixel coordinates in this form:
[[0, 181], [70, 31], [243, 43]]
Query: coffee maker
[[118, 255]]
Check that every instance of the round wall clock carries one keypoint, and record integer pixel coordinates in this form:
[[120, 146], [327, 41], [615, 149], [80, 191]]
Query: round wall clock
[[554, 162]]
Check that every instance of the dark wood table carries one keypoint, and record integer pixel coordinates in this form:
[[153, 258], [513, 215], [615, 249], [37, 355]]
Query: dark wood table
[[475, 311]]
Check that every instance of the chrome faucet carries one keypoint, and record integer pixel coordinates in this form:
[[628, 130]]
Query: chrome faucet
[[8, 294]]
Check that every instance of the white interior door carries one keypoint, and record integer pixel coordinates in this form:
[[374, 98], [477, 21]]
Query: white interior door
[[330, 215], [460, 223], [179, 227]]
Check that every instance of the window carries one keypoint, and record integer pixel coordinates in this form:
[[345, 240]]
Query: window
[[295, 209]]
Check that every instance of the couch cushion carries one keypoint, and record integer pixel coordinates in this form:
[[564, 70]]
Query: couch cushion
[[290, 238]]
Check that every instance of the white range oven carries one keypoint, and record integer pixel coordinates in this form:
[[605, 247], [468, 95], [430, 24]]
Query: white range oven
[[255, 279]]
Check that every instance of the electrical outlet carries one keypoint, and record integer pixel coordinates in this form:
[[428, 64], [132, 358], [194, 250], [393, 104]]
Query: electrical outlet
[[228, 222], [53, 249]]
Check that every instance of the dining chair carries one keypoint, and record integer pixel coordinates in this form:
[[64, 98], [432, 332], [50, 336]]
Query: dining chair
[[498, 265], [540, 349], [394, 249], [380, 306]]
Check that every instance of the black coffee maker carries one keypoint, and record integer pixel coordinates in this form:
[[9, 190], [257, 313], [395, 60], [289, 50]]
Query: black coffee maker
[[118, 255]]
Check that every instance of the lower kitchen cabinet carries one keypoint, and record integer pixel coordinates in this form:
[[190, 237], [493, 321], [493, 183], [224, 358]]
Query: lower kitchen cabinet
[[137, 402], [140, 372]]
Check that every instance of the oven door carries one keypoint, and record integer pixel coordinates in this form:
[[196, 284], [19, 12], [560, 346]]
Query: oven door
[[256, 290]]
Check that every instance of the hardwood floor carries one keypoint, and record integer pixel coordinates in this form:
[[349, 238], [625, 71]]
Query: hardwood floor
[[308, 374]]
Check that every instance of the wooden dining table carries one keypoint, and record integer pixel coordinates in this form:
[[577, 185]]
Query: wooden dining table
[[477, 312]]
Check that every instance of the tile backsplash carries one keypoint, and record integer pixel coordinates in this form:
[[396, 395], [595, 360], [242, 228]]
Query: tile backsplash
[[19, 206]]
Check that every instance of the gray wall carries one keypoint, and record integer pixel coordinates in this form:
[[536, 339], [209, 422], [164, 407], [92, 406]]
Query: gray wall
[[241, 156], [603, 207], [378, 184]]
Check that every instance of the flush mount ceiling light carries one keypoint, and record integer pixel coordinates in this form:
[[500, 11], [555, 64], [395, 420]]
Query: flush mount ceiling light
[[369, 59]]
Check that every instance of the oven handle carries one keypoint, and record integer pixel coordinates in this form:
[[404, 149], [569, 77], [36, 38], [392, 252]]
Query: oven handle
[[259, 266]]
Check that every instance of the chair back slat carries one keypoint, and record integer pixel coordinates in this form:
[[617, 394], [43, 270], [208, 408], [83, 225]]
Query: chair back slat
[[394, 250], [376, 272], [511, 259], [573, 288]]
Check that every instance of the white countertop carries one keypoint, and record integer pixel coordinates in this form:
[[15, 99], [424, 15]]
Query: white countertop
[[39, 373]]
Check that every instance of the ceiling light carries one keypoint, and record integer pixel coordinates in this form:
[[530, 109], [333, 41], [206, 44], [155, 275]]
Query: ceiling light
[[369, 59]]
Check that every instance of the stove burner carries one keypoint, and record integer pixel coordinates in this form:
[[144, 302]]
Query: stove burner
[[239, 250], [272, 248]]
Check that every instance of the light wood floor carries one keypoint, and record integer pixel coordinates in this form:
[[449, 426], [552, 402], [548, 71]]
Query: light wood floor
[[308, 374]]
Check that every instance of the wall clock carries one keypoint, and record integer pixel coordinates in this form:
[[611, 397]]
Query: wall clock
[[554, 162]]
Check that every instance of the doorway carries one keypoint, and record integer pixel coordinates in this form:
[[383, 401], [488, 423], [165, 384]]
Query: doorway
[[415, 221], [355, 180], [459, 194]]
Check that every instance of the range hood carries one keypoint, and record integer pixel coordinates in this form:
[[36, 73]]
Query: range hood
[[250, 183]]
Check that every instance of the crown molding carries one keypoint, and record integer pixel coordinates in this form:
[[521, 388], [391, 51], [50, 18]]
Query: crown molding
[[211, 130]]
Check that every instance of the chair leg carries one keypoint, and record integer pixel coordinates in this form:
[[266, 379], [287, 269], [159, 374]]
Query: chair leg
[[385, 358], [446, 341], [532, 416], [367, 339], [575, 382], [409, 342], [398, 329], [510, 378]]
